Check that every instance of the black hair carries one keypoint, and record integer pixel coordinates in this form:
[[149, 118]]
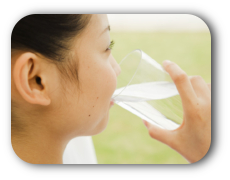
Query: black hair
[[50, 35], [47, 34]]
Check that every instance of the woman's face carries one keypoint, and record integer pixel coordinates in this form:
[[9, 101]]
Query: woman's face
[[85, 110]]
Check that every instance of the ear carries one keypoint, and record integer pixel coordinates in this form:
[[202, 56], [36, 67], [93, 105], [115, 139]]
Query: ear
[[30, 80]]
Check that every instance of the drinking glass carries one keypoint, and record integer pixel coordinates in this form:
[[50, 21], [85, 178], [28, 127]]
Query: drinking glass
[[145, 89]]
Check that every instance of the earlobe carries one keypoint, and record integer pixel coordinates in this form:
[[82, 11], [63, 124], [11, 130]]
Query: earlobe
[[39, 98], [25, 71]]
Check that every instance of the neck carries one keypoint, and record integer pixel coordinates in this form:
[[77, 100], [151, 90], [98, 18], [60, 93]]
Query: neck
[[39, 148]]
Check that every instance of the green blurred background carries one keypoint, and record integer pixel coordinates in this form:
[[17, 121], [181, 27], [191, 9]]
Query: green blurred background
[[126, 140]]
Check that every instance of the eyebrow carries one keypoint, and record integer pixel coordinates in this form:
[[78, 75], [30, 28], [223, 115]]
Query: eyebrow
[[107, 28]]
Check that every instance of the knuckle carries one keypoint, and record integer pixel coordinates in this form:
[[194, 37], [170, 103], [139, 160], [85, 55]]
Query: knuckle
[[199, 77], [196, 79], [180, 78], [192, 78]]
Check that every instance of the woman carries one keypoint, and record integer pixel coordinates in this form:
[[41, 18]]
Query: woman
[[63, 78]]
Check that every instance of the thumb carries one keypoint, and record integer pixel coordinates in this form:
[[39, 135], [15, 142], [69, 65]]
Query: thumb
[[162, 135]]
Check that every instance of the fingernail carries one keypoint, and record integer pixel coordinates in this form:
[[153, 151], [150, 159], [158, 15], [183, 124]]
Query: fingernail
[[145, 123], [166, 62]]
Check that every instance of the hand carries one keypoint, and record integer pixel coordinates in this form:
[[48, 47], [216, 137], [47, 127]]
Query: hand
[[193, 138]]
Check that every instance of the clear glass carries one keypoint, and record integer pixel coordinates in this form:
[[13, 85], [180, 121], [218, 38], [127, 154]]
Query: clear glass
[[145, 89]]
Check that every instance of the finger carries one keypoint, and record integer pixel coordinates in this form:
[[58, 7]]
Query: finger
[[200, 86], [182, 82], [162, 135], [209, 86]]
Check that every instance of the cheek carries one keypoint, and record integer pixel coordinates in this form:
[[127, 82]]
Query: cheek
[[97, 85], [105, 86], [101, 81], [109, 83]]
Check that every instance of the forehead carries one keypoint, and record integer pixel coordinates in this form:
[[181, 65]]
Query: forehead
[[91, 35], [99, 20], [97, 24]]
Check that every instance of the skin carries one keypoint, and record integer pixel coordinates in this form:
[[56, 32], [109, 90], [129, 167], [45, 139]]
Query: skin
[[54, 112], [193, 138]]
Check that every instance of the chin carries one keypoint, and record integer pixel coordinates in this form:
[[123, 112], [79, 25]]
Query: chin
[[101, 126]]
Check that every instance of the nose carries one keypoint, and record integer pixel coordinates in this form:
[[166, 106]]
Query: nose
[[115, 66]]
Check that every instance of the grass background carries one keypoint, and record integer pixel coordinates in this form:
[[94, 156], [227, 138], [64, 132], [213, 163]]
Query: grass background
[[126, 140]]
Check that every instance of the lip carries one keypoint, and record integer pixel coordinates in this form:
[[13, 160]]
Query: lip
[[111, 102]]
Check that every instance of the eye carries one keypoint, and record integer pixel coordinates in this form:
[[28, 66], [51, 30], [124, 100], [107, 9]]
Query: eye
[[110, 45]]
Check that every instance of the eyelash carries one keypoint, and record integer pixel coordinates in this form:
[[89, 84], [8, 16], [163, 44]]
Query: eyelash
[[110, 45]]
